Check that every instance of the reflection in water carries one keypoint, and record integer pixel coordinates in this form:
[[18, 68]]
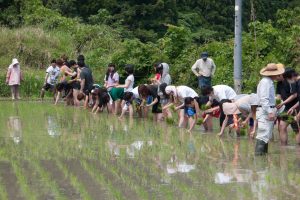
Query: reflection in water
[[161, 159], [114, 148], [14, 126], [52, 126], [181, 167]]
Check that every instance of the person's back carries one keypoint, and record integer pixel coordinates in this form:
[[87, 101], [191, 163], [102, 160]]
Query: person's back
[[86, 74], [185, 91], [165, 77], [222, 92]]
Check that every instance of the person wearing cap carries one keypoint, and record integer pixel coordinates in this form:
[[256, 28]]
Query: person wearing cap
[[287, 92], [13, 78], [266, 111], [246, 106], [204, 69]]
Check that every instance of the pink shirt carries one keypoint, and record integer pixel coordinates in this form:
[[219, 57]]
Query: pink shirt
[[14, 75]]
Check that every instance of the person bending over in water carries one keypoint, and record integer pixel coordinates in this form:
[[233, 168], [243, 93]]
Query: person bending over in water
[[177, 96], [150, 93], [190, 112]]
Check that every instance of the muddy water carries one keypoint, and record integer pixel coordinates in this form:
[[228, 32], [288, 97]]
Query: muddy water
[[52, 152]]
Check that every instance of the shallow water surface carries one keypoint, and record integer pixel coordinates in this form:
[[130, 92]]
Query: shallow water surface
[[50, 152]]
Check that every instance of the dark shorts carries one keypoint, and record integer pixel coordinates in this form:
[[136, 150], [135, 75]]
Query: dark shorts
[[76, 85], [156, 108], [48, 87], [63, 86], [204, 81]]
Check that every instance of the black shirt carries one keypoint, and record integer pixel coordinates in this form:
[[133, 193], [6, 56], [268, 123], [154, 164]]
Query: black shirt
[[285, 90], [86, 74], [153, 90]]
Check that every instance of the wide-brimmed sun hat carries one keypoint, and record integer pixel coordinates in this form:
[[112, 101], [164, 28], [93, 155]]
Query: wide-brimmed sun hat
[[272, 69], [230, 109]]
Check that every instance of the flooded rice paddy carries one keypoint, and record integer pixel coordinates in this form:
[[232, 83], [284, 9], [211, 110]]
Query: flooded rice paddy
[[50, 152]]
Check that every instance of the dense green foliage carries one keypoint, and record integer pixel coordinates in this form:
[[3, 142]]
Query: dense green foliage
[[143, 32]]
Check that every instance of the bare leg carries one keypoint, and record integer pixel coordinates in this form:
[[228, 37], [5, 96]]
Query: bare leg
[[192, 122], [181, 118], [42, 94], [159, 117], [283, 132], [117, 106], [75, 94], [57, 97], [130, 111], [86, 101], [208, 124]]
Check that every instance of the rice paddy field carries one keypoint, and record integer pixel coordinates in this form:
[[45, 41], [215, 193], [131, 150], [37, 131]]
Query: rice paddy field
[[50, 152]]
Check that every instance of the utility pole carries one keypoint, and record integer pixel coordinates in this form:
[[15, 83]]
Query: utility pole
[[238, 46]]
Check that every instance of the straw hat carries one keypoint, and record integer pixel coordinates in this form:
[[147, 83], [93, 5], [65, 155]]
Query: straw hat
[[15, 61], [230, 109], [272, 69]]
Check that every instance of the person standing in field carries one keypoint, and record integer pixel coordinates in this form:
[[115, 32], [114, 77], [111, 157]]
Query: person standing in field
[[87, 81], [51, 78], [204, 69], [13, 78], [266, 112]]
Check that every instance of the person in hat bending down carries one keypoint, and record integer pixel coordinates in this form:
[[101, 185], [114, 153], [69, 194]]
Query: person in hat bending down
[[13, 78], [204, 69], [266, 111]]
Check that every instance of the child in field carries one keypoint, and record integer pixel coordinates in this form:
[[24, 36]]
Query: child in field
[[51, 77], [146, 91], [111, 78], [102, 99], [190, 112], [177, 95], [128, 100], [118, 91], [13, 78]]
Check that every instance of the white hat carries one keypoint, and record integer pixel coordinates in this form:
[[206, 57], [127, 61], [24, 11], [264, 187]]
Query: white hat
[[15, 61]]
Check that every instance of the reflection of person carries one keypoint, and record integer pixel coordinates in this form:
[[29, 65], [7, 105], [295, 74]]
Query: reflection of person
[[13, 78], [204, 69], [15, 128], [52, 126], [266, 112]]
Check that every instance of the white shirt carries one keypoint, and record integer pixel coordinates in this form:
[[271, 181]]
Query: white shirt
[[266, 94], [223, 92], [135, 92], [130, 87], [185, 91], [53, 74], [206, 68], [112, 80]]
